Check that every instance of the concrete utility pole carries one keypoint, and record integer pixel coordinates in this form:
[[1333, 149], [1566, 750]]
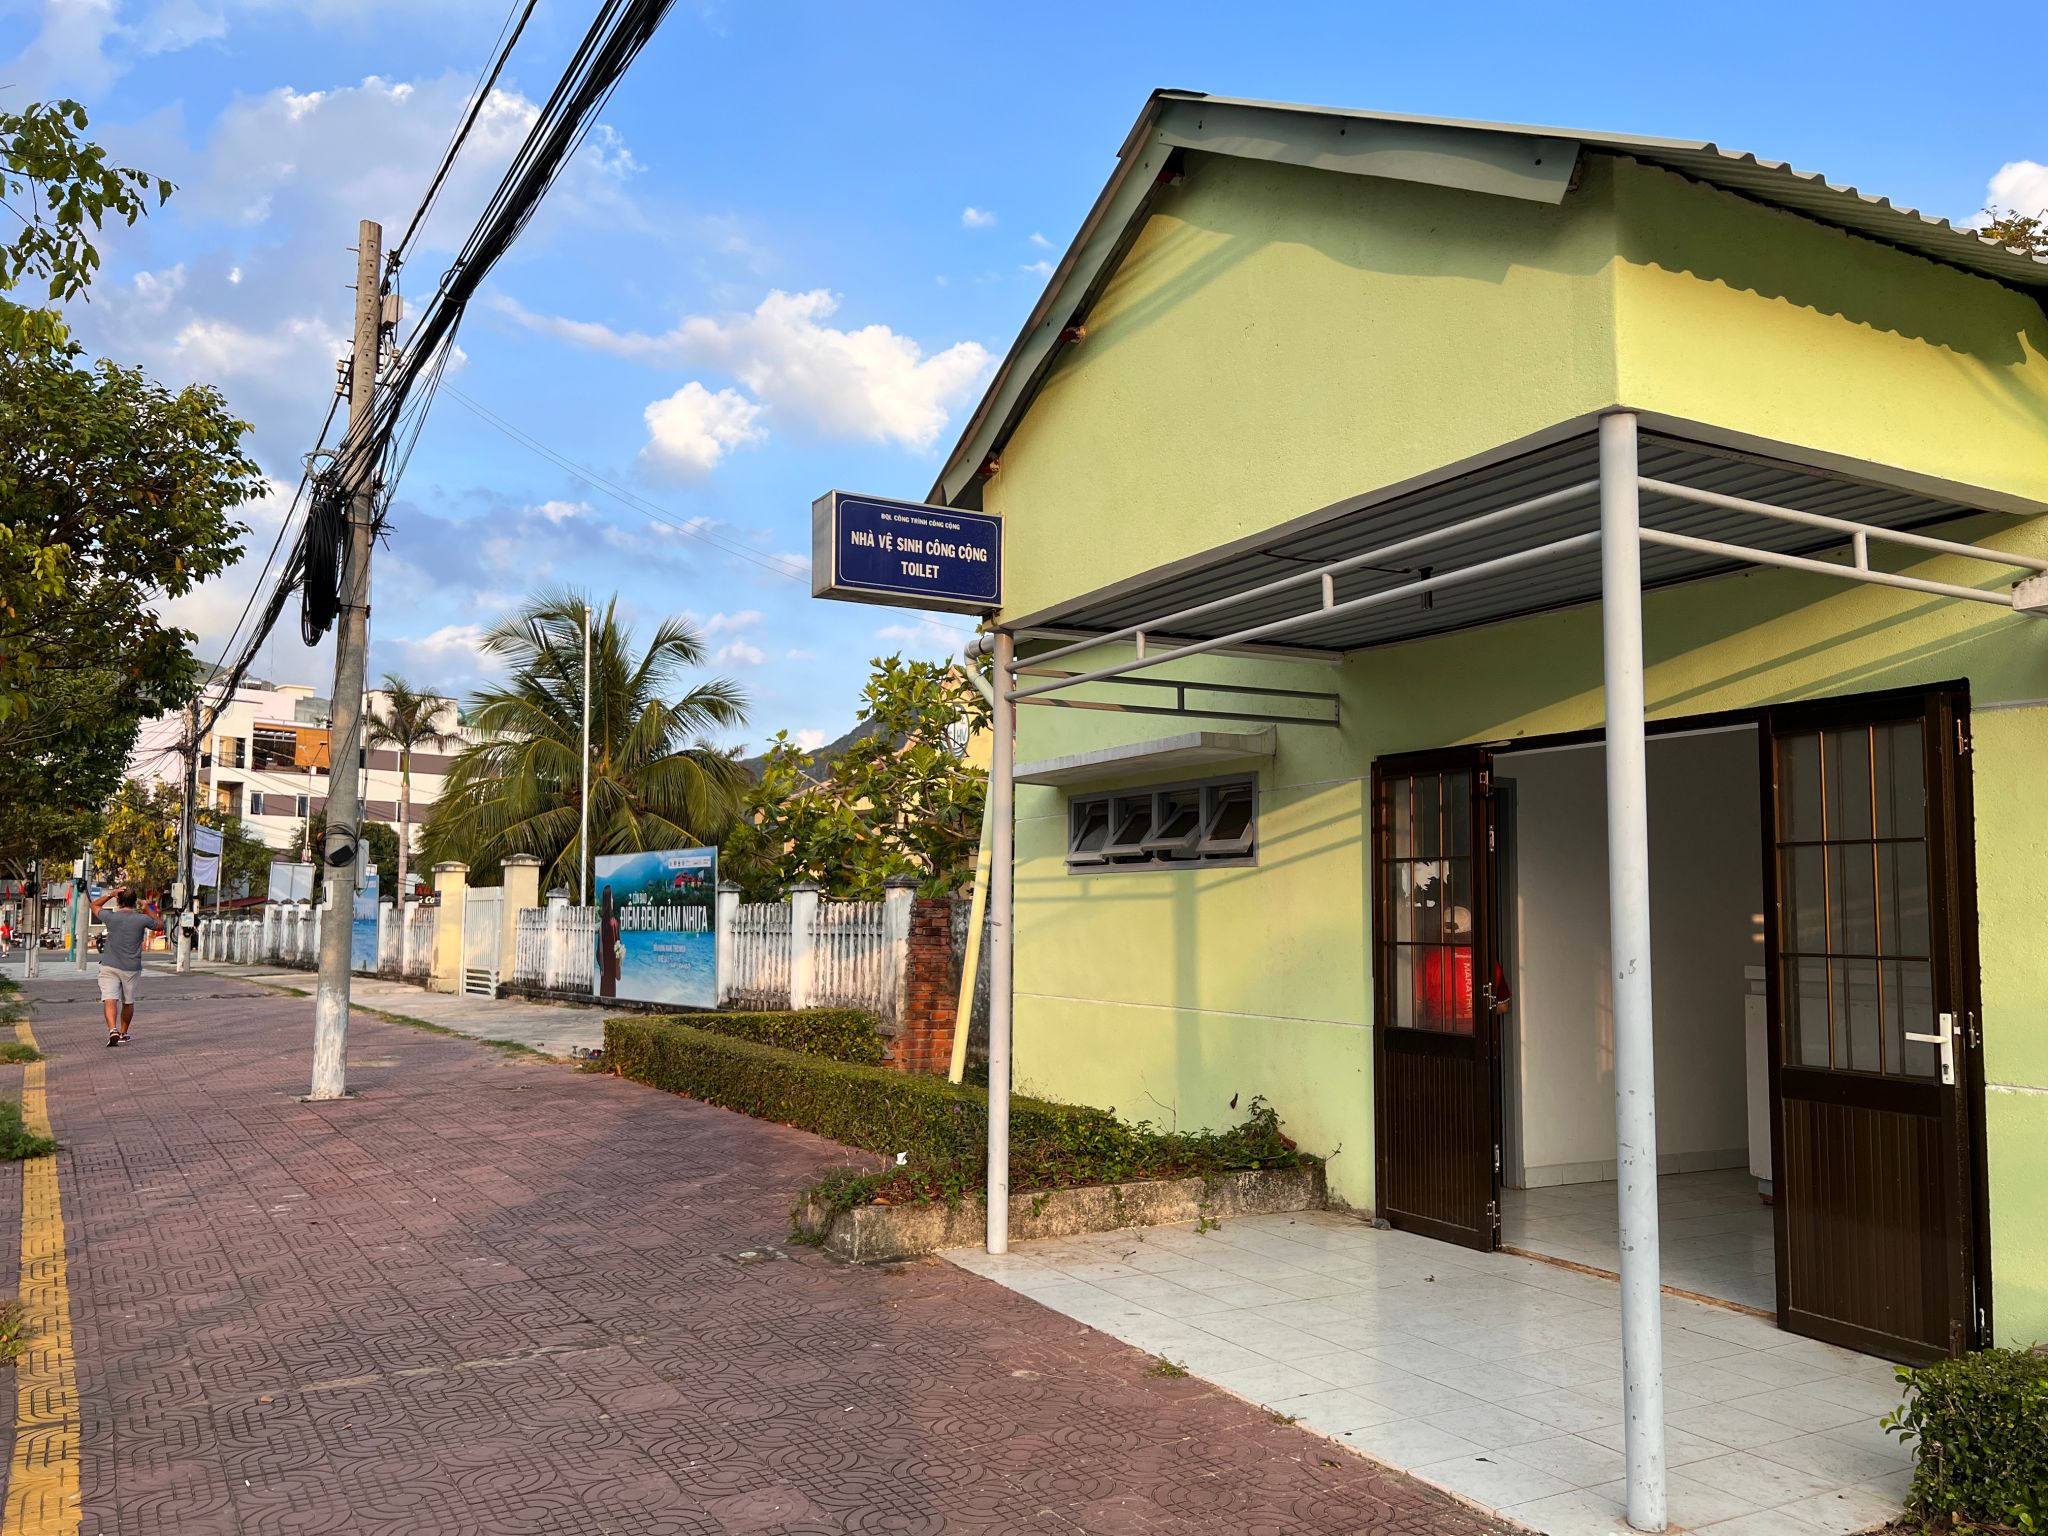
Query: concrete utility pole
[[187, 897], [81, 913], [31, 963], [351, 643]]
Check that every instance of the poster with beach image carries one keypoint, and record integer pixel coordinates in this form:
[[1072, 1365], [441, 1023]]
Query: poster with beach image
[[362, 933], [657, 930]]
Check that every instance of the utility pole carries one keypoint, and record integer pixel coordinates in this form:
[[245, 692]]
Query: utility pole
[[351, 642], [187, 901], [583, 835], [31, 963], [81, 912]]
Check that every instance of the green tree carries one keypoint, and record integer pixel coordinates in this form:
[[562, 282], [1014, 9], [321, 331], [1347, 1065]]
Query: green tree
[[409, 721], [2018, 231], [113, 495], [902, 799], [60, 766], [656, 778], [138, 841]]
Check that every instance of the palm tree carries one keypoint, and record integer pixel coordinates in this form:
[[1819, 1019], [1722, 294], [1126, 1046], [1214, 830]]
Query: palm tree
[[409, 721], [656, 778]]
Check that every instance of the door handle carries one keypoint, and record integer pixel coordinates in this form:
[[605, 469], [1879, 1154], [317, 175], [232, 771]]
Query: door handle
[[1945, 1037]]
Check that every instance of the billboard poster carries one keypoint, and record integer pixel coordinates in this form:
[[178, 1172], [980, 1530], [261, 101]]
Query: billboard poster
[[362, 930], [657, 929], [290, 882]]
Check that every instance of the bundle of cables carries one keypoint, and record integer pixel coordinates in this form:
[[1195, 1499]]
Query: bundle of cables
[[323, 559]]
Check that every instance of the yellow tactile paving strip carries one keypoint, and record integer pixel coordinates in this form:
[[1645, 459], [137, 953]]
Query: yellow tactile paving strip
[[42, 1481]]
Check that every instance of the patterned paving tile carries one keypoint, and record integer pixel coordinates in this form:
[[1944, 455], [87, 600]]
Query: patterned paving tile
[[492, 1296]]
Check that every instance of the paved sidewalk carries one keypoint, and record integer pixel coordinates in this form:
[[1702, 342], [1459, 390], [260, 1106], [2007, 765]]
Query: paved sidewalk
[[554, 1029], [496, 1294]]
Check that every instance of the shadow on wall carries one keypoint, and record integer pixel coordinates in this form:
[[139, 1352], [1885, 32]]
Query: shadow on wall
[[1679, 227]]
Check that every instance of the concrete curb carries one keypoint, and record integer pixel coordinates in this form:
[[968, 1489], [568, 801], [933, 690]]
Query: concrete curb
[[872, 1234]]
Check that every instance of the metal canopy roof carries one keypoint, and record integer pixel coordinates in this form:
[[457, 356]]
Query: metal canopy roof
[[1499, 159], [1190, 749], [1566, 467]]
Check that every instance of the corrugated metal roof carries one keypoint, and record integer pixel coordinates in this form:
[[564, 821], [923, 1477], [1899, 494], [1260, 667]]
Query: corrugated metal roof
[[1765, 181], [1302, 135], [1560, 583]]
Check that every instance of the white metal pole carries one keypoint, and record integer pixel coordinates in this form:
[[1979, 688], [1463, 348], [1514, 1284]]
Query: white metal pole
[[81, 912], [1002, 775], [583, 832], [1628, 917]]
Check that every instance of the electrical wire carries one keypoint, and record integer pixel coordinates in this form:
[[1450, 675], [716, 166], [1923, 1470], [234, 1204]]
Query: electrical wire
[[375, 453], [486, 83]]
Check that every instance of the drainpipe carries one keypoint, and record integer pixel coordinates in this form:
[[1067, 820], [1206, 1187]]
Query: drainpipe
[[1628, 907], [970, 960]]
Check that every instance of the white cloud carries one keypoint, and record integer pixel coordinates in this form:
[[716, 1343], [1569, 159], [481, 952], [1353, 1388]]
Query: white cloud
[[1040, 241], [728, 623], [2020, 187], [453, 650], [977, 218], [1037, 268], [562, 511], [929, 635], [367, 150], [808, 741], [739, 653], [89, 44], [799, 653], [869, 383], [690, 431]]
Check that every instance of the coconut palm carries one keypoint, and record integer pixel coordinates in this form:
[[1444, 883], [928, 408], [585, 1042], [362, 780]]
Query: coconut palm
[[656, 779], [409, 721]]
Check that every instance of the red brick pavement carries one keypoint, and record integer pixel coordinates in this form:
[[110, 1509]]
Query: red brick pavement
[[498, 1295]]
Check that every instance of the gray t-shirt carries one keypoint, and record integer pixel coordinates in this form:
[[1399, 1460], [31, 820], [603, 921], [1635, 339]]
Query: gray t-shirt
[[125, 929]]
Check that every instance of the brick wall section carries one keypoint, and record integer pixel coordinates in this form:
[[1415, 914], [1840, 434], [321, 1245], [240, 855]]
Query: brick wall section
[[931, 982]]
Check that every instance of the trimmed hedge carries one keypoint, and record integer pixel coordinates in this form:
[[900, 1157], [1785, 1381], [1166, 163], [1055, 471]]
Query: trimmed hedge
[[940, 1127], [863, 1106], [1978, 1425], [840, 1034]]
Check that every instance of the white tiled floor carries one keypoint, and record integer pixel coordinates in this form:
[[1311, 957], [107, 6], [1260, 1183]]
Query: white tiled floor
[[1494, 1376], [1714, 1232]]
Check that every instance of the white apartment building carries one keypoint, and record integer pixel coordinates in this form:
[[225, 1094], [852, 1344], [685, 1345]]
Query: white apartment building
[[265, 759]]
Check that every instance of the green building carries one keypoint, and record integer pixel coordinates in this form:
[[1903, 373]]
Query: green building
[[1362, 454]]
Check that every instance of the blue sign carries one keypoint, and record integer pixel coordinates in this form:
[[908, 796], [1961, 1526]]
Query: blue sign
[[906, 554]]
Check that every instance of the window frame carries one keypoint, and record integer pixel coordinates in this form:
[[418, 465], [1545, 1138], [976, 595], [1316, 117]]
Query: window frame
[[1149, 851]]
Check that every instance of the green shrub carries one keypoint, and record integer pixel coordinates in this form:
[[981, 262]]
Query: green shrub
[[16, 1052], [16, 1140], [1978, 1426], [940, 1128], [841, 1034]]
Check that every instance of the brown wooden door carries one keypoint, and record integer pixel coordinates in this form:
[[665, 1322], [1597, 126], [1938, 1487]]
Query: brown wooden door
[[1871, 962], [1436, 1087]]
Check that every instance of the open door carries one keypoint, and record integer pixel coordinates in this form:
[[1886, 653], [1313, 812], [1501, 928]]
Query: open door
[[1436, 1083], [1873, 1023]]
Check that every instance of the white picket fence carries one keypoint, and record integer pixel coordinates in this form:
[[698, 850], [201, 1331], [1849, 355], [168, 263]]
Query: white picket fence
[[851, 956], [754, 962], [798, 953], [555, 948]]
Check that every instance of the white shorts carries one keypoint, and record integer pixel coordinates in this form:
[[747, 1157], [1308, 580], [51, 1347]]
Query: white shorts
[[118, 986]]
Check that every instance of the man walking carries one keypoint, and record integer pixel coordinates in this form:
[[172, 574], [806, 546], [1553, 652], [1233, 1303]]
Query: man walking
[[121, 957]]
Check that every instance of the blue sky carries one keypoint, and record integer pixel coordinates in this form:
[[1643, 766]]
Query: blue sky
[[805, 234]]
